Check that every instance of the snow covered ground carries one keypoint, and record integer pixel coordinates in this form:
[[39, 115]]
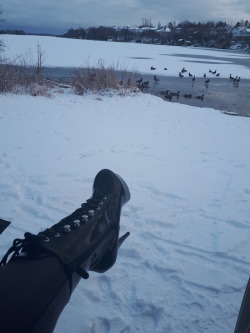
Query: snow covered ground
[[186, 264], [131, 56]]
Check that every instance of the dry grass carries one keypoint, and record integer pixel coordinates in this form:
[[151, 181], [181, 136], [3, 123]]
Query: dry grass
[[20, 77], [102, 78]]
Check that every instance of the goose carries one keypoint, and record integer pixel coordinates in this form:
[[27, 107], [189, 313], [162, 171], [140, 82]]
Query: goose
[[175, 94], [156, 79], [189, 74], [168, 97], [218, 74], [204, 75], [187, 95], [193, 79], [180, 75], [165, 69], [236, 81], [200, 97], [163, 92], [207, 81], [183, 70], [152, 68], [144, 85], [214, 72], [139, 81]]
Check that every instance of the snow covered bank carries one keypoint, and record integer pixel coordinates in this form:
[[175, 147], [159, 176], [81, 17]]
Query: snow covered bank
[[62, 52], [185, 266]]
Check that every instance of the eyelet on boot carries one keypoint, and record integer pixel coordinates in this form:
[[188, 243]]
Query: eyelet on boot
[[51, 233], [77, 223], [66, 228], [85, 218], [91, 212]]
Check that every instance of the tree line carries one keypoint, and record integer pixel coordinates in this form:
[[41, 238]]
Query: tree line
[[211, 34], [204, 34]]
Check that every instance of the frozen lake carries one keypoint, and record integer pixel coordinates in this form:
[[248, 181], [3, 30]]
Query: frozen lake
[[219, 94]]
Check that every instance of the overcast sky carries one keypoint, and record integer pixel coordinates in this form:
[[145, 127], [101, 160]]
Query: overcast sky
[[57, 16]]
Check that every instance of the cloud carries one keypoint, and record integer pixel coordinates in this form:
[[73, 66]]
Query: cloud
[[64, 14]]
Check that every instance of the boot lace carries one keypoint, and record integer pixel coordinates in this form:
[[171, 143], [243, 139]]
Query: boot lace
[[18, 245], [71, 222]]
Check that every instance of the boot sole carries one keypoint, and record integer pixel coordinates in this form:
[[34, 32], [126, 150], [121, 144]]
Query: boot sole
[[126, 196]]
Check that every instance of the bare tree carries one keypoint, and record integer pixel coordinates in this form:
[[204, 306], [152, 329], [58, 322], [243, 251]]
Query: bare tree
[[159, 25], [1, 20], [171, 25], [146, 22], [39, 63], [1, 14]]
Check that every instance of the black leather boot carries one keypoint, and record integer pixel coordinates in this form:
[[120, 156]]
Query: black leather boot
[[37, 282], [88, 239]]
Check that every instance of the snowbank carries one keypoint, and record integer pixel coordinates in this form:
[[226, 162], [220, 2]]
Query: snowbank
[[185, 266]]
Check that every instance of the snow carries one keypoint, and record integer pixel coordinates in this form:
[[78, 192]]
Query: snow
[[131, 56], [185, 266]]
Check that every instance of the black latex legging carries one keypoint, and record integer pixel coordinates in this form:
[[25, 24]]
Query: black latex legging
[[33, 294]]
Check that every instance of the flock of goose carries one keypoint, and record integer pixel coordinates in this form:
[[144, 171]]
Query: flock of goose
[[168, 95]]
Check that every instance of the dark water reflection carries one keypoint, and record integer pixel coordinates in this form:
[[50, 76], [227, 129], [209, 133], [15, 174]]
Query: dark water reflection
[[219, 94]]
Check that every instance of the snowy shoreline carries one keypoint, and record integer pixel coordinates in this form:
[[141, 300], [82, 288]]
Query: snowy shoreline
[[66, 55]]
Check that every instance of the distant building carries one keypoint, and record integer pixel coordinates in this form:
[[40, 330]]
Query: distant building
[[240, 31], [164, 32], [134, 29]]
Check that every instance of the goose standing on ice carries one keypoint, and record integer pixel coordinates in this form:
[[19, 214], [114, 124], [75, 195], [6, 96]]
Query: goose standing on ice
[[201, 97], [156, 79]]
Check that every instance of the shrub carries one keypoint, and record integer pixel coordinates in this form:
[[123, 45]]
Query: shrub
[[102, 78]]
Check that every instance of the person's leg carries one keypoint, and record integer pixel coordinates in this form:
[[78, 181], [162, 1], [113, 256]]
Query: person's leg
[[243, 321], [33, 292], [36, 284]]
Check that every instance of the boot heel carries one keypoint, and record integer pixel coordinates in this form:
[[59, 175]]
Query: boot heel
[[123, 238]]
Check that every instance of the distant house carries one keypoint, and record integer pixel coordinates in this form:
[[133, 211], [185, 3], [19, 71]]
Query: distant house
[[240, 31], [148, 28], [178, 30], [180, 42], [164, 32], [134, 29]]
